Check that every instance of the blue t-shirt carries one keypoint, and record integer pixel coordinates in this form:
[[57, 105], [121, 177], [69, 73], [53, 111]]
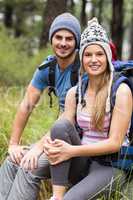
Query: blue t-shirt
[[40, 81]]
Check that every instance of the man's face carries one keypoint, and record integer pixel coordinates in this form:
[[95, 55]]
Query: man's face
[[63, 43]]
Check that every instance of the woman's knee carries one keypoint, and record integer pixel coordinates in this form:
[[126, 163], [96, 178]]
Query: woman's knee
[[60, 129]]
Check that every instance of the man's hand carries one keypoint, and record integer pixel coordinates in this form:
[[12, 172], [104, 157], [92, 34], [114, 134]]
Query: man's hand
[[30, 159], [16, 152]]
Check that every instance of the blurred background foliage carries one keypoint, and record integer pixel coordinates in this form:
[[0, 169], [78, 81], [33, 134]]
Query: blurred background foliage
[[24, 28]]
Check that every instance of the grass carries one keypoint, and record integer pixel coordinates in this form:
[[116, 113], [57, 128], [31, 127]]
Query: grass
[[39, 123], [16, 69]]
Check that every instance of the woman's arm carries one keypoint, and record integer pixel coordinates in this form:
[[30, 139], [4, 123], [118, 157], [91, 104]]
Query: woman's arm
[[119, 124], [120, 121], [70, 105]]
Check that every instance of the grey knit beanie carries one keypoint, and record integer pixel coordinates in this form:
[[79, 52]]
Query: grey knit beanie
[[66, 21]]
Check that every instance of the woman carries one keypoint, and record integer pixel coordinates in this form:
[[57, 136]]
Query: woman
[[83, 162]]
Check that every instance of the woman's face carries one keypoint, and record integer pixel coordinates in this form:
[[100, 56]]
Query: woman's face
[[94, 60]]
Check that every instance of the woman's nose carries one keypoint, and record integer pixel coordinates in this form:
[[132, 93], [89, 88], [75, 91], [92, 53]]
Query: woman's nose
[[93, 58]]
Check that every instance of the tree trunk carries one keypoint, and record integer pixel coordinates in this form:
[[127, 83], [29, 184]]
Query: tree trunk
[[18, 27], [93, 11], [52, 9], [117, 29], [71, 6], [131, 38], [100, 6], [83, 17], [8, 15]]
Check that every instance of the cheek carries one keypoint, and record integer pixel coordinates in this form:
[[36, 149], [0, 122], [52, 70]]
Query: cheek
[[85, 61], [104, 63], [72, 45]]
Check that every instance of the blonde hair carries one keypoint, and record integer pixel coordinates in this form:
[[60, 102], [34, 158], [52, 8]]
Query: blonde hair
[[99, 108]]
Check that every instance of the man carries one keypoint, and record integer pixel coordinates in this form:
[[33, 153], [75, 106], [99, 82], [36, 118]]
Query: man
[[22, 171]]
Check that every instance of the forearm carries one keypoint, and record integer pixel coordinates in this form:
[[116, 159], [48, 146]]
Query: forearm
[[19, 125], [95, 149]]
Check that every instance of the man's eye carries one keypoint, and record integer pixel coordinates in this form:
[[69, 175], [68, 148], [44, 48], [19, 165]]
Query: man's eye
[[58, 37], [69, 39]]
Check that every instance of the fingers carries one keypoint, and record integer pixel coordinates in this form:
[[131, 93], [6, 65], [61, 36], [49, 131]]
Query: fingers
[[51, 150], [16, 156], [48, 140], [29, 162]]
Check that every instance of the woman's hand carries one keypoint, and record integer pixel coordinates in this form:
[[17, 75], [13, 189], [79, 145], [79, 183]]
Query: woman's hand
[[57, 151]]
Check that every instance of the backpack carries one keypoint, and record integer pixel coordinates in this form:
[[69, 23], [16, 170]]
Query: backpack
[[123, 74], [51, 63]]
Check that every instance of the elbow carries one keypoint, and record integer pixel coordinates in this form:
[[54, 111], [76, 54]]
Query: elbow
[[26, 107], [115, 146]]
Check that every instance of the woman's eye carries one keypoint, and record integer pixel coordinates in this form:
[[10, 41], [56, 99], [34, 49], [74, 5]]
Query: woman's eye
[[87, 54], [100, 54]]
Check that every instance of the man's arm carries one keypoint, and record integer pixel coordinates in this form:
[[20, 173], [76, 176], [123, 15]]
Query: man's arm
[[28, 103], [30, 159]]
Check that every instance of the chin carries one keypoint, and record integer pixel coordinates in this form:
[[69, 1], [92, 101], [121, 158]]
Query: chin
[[63, 56]]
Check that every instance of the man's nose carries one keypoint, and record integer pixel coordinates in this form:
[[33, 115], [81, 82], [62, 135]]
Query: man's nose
[[63, 42]]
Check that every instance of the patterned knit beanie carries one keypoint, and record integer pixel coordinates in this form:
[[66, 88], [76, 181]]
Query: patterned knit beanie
[[66, 21], [95, 34]]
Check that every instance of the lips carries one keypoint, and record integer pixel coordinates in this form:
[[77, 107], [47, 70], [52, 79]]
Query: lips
[[94, 67]]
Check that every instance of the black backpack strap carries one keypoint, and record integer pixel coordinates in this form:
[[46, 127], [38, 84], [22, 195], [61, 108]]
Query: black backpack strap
[[77, 95], [51, 64], [75, 70], [79, 130], [51, 88]]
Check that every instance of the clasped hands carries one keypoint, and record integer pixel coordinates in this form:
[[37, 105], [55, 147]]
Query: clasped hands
[[57, 150]]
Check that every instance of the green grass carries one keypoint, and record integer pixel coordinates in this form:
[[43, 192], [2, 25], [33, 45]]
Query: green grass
[[39, 123], [16, 69]]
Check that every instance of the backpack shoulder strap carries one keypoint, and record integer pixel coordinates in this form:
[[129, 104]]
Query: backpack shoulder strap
[[50, 63], [75, 70], [115, 86], [116, 83]]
